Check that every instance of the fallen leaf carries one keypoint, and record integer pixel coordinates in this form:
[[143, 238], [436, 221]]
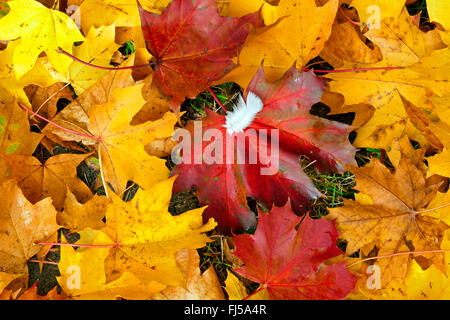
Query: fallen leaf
[[346, 43], [393, 223], [97, 49], [83, 277], [193, 50], [22, 225], [42, 74], [39, 29], [289, 263], [438, 12], [77, 216], [50, 179], [198, 286], [121, 146], [16, 137], [236, 290], [419, 284], [44, 100], [301, 31], [6, 279], [144, 236]]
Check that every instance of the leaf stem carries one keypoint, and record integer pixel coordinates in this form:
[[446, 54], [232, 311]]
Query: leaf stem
[[58, 126], [77, 245], [101, 67], [397, 254], [217, 99], [432, 209], [45, 262], [348, 19], [354, 70]]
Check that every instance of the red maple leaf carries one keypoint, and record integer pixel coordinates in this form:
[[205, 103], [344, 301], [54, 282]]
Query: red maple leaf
[[224, 186], [192, 45], [290, 263]]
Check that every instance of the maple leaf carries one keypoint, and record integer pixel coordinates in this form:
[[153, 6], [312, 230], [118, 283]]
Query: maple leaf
[[402, 42], [97, 49], [123, 13], [77, 216], [434, 122], [120, 145], [205, 286], [223, 186], [44, 100], [391, 219], [144, 237], [42, 74], [75, 115], [419, 284], [22, 224], [296, 38], [237, 291], [347, 43], [289, 263], [423, 70], [86, 265], [41, 180], [438, 12], [6, 279], [193, 50], [15, 134], [39, 29]]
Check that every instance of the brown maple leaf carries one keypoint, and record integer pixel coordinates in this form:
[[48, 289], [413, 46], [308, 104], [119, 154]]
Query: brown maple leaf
[[390, 217]]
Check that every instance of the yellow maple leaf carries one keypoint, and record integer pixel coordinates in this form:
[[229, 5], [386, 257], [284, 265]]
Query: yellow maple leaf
[[298, 37], [121, 150], [120, 145], [40, 30], [77, 216], [123, 13], [15, 134], [41, 74], [237, 291], [402, 42], [423, 59], [439, 123], [98, 50], [22, 224], [438, 11], [83, 277], [198, 286], [143, 236]]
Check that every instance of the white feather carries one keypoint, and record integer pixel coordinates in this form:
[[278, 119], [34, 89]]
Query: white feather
[[243, 113]]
